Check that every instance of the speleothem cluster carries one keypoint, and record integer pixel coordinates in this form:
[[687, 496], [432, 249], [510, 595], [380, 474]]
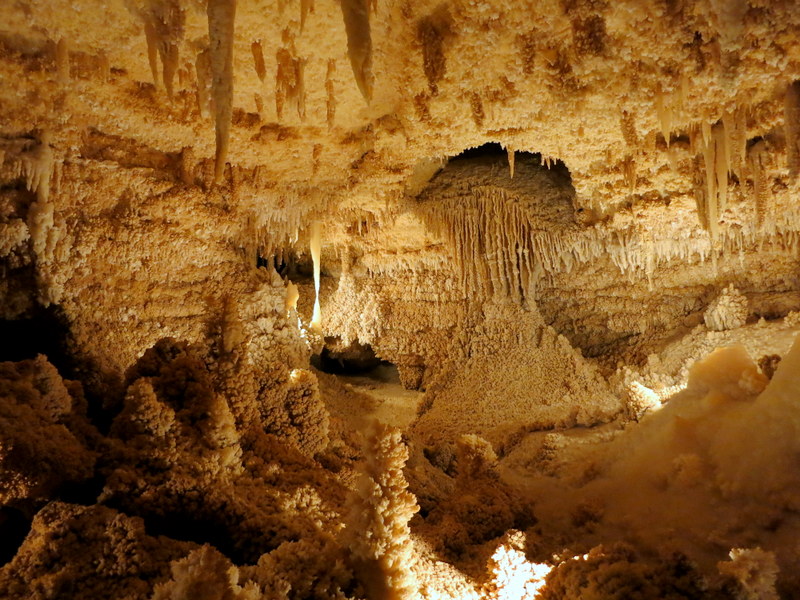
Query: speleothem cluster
[[399, 299]]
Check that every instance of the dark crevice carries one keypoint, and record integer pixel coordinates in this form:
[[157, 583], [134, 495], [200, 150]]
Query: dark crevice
[[185, 528], [44, 332], [188, 517], [490, 149], [14, 527], [288, 263], [495, 151], [355, 359], [81, 492]]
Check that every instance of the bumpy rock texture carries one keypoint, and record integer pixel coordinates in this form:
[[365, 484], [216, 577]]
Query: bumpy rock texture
[[546, 217]]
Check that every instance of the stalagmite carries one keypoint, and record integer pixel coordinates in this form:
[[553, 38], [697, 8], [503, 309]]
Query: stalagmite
[[221, 14], [381, 506], [231, 325], [187, 165], [292, 295], [316, 250], [359, 43], [728, 311]]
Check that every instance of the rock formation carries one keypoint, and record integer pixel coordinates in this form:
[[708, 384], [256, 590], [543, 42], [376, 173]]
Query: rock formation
[[277, 275]]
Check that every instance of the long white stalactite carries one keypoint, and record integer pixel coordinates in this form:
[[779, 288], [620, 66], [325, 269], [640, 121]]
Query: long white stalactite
[[316, 251], [221, 14], [359, 43]]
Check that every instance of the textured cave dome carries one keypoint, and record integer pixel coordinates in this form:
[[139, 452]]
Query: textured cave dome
[[387, 299]]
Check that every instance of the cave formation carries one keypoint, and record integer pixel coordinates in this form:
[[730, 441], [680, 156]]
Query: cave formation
[[399, 299]]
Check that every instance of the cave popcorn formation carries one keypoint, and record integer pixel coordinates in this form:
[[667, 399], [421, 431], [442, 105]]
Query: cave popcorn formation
[[383, 299]]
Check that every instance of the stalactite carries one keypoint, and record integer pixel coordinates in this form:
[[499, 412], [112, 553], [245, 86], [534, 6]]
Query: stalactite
[[700, 192], [511, 156], [152, 49], [104, 66], [330, 93], [664, 112], [36, 165], [316, 154], [359, 43], [221, 14], [62, 60], [169, 59], [722, 164], [717, 165], [791, 115], [306, 7], [258, 60], [735, 123], [163, 29], [627, 124], [301, 89], [204, 82], [629, 173], [316, 251], [705, 129], [709, 161], [683, 93], [289, 78], [500, 247], [756, 159]]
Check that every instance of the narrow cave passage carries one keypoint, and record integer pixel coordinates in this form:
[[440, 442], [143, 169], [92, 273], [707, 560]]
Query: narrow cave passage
[[354, 376], [356, 384]]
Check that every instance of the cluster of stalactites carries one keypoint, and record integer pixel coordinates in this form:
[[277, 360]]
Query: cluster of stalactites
[[36, 165], [214, 65], [723, 150], [723, 147], [501, 249]]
